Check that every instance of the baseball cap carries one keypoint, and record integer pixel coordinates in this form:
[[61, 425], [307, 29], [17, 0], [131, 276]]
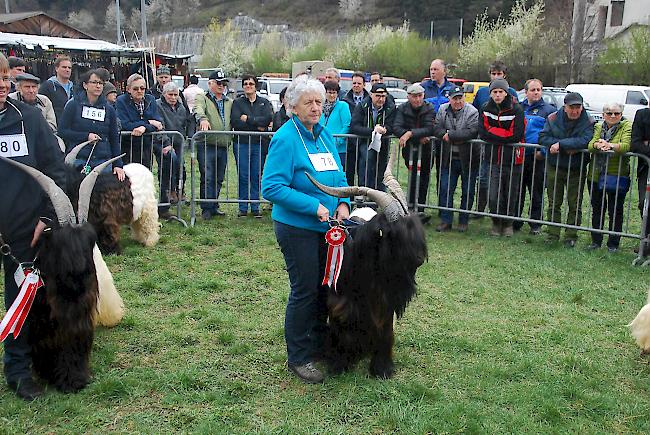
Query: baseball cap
[[378, 87], [218, 75], [455, 91], [573, 98]]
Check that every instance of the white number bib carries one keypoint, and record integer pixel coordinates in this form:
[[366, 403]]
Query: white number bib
[[323, 162], [13, 145], [93, 113]]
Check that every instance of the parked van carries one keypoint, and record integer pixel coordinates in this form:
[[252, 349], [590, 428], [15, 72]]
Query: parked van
[[471, 88], [634, 97]]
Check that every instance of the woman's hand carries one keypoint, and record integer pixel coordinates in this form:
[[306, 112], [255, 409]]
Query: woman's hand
[[119, 172], [342, 212], [93, 137], [323, 213]]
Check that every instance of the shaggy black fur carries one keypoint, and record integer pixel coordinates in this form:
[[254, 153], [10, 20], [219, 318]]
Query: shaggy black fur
[[61, 318], [111, 205], [377, 281]]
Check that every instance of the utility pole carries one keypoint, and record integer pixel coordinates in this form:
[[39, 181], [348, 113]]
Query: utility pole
[[577, 38], [7, 7], [117, 21], [143, 18]]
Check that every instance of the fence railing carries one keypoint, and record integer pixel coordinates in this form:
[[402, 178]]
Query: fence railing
[[512, 184]]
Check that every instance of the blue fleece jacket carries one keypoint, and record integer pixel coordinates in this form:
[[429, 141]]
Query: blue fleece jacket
[[536, 115], [437, 95], [295, 199], [74, 129], [338, 123]]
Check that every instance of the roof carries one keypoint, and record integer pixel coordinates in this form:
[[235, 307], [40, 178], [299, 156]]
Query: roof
[[39, 23], [55, 43]]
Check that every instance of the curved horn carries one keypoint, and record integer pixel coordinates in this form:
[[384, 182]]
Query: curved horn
[[86, 189], [393, 185], [60, 201], [382, 199], [72, 155]]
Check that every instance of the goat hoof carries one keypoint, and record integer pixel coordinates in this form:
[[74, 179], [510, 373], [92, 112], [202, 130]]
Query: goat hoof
[[384, 370]]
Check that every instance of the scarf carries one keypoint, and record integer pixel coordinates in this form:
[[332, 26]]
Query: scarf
[[327, 108]]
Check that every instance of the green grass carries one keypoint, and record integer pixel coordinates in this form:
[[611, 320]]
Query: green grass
[[506, 335]]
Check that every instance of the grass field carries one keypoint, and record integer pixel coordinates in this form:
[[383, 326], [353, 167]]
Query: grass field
[[506, 335]]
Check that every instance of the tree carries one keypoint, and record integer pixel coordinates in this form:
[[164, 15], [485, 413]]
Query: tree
[[110, 21], [82, 20], [350, 9], [627, 62]]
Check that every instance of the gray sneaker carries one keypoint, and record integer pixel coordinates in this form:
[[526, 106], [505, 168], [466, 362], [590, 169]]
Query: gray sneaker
[[308, 373]]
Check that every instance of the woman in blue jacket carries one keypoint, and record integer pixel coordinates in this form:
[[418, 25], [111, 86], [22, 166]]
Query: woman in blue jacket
[[336, 117], [89, 117], [300, 218]]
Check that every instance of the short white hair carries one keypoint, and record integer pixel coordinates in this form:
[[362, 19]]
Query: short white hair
[[170, 87], [302, 85], [613, 106], [336, 72], [133, 78]]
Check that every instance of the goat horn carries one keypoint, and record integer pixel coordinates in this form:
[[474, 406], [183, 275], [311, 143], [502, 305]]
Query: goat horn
[[393, 185], [60, 201], [382, 199], [86, 189], [72, 155]]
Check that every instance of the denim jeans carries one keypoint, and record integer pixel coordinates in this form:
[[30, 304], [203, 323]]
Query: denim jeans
[[247, 157], [448, 181], [167, 164], [410, 155], [212, 166], [305, 321]]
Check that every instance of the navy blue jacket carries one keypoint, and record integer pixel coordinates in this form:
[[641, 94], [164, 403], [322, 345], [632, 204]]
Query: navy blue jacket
[[74, 129], [572, 137], [130, 117], [57, 95], [22, 200], [437, 95]]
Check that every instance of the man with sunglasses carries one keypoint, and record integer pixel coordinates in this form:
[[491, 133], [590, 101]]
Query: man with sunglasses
[[212, 112], [250, 112]]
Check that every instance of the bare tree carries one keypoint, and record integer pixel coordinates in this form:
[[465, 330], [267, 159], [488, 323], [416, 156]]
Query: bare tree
[[350, 9]]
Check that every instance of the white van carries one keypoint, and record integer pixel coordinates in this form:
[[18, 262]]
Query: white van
[[596, 96]]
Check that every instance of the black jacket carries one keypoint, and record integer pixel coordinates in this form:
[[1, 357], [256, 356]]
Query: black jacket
[[279, 118], [419, 122], [349, 98], [22, 201], [641, 140], [259, 113], [362, 123], [57, 95]]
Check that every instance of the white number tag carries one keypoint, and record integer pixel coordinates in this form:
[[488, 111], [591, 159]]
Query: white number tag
[[13, 145], [93, 113], [323, 162]]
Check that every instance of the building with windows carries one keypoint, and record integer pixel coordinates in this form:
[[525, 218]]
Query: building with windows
[[608, 19]]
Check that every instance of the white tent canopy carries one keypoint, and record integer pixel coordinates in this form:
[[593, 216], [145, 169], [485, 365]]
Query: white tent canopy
[[54, 43]]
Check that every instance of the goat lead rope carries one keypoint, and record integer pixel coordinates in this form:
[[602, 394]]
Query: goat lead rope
[[86, 168]]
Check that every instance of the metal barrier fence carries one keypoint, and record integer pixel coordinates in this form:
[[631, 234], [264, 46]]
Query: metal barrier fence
[[509, 183], [167, 148]]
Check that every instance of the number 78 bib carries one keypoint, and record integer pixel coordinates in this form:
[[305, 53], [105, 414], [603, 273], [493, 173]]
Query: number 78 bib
[[13, 145], [323, 162]]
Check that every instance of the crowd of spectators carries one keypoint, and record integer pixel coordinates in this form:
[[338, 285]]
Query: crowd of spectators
[[565, 151]]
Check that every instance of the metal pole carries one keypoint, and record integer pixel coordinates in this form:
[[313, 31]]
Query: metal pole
[[431, 33], [7, 7], [460, 33], [117, 20], [143, 18]]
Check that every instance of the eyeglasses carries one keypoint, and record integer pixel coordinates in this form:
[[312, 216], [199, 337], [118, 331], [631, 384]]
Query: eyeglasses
[[95, 82], [139, 88], [612, 113], [248, 83]]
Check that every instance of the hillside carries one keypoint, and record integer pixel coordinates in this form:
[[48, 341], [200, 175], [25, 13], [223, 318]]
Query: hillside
[[91, 15]]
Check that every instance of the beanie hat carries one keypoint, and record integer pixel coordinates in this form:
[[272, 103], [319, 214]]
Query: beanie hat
[[499, 84]]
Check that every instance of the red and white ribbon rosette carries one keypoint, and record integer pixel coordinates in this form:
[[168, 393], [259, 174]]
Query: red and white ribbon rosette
[[15, 318], [335, 237]]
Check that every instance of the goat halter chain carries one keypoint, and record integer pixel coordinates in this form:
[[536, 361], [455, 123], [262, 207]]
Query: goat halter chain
[[335, 238]]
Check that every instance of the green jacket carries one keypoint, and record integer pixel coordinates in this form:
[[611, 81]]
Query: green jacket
[[622, 136], [204, 108]]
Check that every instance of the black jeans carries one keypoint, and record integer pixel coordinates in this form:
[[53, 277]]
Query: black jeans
[[532, 179], [613, 202], [410, 155]]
